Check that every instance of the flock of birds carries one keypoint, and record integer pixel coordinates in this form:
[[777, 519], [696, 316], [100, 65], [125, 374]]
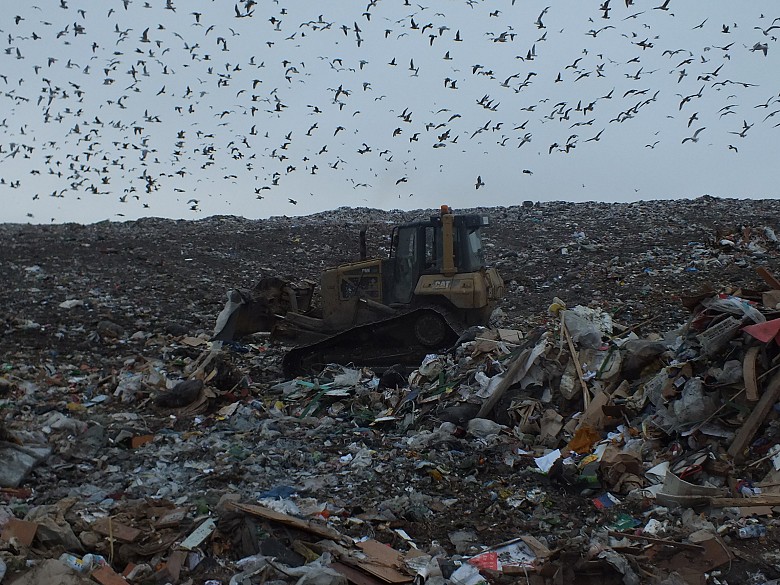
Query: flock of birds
[[130, 105]]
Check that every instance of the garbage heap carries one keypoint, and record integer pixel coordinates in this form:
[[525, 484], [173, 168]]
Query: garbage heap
[[576, 452]]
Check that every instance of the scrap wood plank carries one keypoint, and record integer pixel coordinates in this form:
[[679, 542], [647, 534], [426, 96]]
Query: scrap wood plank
[[749, 373], [652, 540], [199, 535], [577, 366], [503, 385], [768, 277], [762, 500], [298, 523], [755, 420]]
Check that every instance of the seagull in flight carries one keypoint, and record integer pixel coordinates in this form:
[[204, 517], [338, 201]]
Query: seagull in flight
[[695, 137]]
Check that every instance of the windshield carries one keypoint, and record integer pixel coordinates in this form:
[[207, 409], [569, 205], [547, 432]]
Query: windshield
[[469, 247], [406, 265]]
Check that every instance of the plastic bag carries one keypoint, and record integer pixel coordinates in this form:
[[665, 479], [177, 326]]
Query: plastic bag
[[317, 573]]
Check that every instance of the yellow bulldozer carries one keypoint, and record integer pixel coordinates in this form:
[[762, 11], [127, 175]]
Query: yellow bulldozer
[[377, 312]]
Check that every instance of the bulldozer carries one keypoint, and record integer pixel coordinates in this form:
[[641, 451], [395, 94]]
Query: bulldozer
[[377, 312]]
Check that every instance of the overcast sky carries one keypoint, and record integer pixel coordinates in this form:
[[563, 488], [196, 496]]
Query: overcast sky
[[117, 109]]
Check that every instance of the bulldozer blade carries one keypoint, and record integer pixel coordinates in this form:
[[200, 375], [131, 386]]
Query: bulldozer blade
[[241, 316]]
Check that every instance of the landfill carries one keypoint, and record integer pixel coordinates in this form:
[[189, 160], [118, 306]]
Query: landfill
[[617, 422]]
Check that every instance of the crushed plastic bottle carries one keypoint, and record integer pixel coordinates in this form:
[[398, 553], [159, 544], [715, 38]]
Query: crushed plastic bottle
[[84, 564], [752, 531], [76, 563]]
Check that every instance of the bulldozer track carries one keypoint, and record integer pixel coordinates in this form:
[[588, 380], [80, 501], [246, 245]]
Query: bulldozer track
[[405, 339]]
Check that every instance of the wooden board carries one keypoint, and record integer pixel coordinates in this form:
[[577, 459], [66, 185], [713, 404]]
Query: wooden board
[[299, 523], [749, 373], [199, 535], [768, 277], [763, 500], [750, 427]]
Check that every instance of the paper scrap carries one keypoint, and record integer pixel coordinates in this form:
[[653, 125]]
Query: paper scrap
[[545, 462], [200, 534]]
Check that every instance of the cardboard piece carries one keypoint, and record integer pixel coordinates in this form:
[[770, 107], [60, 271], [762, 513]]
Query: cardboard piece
[[22, 530], [107, 576], [200, 402], [193, 341], [354, 575], [136, 442], [510, 335], [228, 410], [691, 565], [116, 530], [551, 424], [383, 562], [771, 299], [525, 413], [594, 416], [487, 342], [172, 518], [174, 564]]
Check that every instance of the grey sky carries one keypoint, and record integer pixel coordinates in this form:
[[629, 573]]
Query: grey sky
[[101, 119]]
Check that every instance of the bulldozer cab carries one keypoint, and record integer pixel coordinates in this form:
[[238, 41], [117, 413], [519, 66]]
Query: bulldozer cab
[[446, 244]]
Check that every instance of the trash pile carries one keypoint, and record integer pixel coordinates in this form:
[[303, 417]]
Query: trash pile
[[626, 437], [668, 447]]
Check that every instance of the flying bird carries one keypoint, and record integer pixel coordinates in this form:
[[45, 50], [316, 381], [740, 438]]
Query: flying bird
[[694, 138]]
